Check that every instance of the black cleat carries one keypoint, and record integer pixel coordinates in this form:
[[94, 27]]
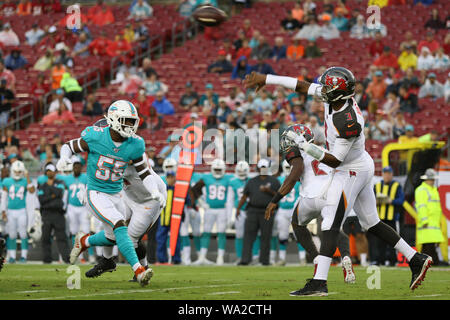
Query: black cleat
[[104, 265], [419, 265], [313, 288]]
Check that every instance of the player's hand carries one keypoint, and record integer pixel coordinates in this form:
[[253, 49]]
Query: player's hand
[[63, 164], [255, 80], [4, 216], [82, 196], [298, 139], [156, 195], [270, 210]]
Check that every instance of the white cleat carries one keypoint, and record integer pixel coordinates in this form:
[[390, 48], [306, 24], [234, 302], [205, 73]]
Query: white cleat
[[220, 261], [143, 276], [208, 262], [347, 267], [280, 263], [78, 247], [198, 262]]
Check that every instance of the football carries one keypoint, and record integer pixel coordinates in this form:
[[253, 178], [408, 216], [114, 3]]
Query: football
[[209, 16]]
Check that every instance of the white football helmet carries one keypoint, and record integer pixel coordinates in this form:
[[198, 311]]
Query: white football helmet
[[17, 170], [218, 168], [286, 168], [242, 169], [169, 165], [118, 113], [35, 232]]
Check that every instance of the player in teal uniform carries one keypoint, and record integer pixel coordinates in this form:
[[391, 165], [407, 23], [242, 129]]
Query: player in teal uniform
[[110, 149], [13, 207], [284, 216], [216, 190]]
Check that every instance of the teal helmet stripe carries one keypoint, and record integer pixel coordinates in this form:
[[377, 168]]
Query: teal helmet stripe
[[133, 109]]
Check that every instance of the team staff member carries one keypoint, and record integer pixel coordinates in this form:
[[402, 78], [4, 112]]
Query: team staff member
[[390, 198], [429, 211], [51, 198], [258, 191]]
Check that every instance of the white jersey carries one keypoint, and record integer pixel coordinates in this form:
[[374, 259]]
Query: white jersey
[[316, 177], [344, 132]]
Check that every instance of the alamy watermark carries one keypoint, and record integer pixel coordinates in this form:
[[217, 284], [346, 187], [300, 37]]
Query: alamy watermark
[[374, 280], [73, 21], [74, 280]]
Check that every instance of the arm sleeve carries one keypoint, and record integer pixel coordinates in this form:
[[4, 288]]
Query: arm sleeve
[[421, 207]]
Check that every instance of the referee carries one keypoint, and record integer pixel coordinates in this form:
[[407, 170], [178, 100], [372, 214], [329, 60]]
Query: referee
[[259, 191]]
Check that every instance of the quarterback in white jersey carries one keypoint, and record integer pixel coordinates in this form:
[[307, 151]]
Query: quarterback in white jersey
[[351, 185]]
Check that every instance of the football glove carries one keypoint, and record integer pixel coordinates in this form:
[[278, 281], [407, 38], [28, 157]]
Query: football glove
[[82, 196], [156, 195], [313, 150], [63, 164]]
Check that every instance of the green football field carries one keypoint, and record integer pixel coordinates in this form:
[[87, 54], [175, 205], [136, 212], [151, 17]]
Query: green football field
[[49, 282]]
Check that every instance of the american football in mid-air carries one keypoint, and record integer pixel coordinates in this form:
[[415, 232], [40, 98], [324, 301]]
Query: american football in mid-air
[[209, 16]]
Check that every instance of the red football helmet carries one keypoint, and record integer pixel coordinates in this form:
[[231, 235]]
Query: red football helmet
[[286, 144]]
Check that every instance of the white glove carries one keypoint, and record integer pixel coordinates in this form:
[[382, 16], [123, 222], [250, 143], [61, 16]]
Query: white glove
[[299, 139], [82, 196], [156, 195], [202, 203], [63, 164], [313, 150]]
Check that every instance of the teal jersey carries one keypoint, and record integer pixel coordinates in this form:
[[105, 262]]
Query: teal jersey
[[237, 185], [106, 162], [288, 200], [216, 190], [75, 184], [163, 177], [17, 192]]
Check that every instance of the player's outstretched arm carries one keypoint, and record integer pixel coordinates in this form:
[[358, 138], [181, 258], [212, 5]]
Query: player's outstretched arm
[[149, 181], [68, 150], [257, 81]]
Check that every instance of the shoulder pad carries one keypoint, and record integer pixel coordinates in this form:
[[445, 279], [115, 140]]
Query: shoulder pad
[[346, 123]]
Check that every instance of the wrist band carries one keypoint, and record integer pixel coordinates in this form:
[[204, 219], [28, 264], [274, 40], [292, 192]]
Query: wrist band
[[276, 198]]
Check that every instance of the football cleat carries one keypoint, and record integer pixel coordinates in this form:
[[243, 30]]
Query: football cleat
[[11, 260], [23, 260], [104, 265], [419, 264], [143, 275], [312, 288], [347, 268], [220, 261], [78, 247], [280, 263]]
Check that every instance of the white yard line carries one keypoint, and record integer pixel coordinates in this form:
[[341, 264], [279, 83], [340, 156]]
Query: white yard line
[[118, 292], [31, 291], [427, 295], [225, 292]]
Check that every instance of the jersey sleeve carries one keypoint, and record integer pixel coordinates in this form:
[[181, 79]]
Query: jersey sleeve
[[293, 153], [139, 148], [88, 135], [346, 123]]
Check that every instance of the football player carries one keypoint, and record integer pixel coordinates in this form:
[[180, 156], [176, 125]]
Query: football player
[[216, 189], [14, 209], [110, 150], [351, 186]]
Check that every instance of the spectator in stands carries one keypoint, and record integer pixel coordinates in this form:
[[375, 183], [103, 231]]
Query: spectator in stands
[[152, 85], [235, 98], [222, 110], [141, 34], [360, 96], [433, 135], [63, 57], [118, 47], [91, 106], [386, 60], [40, 149], [310, 30], [128, 33], [221, 65], [73, 91], [82, 46], [15, 60], [209, 99], [59, 117], [409, 41], [392, 104], [8, 37], [359, 30], [328, 30], [447, 89], [9, 139], [381, 129], [407, 59], [244, 50], [309, 8], [58, 101], [24, 8], [398, 125], [408, 100], [103, 17], [425, 61], [8, 8], [410, 81], [7, 98], [262, 50], [353, 18], [435, 22], [190, 98], [227, 46], [162, 105], [395, 85], [57, 73], [375, 28], [263, 102], [409, 135], [289, 23], [339, 20], [99, 45], [241, 69], [190, 117], [141, 10], [39, 89], [92, 12], [240, 38], [34, 35], [53, 7], [185, 8], [312, 50], [297, 12], [247, 28], [254, 41], [278, 50], [377, 87], [377, 46], [130, 84], [429, 42], [146, 68], [295, 50], [262, 67], [432, 88], [441, 60], [423, 2], [45, 62]]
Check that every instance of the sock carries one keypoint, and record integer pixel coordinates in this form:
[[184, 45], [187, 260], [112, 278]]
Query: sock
[[12, 254], [304, 239], [125, 246], [322, 267], [203, 252], [186, 254], [197, 243], [238, 244], [221, 252], [91, 251], [273, 254], [273, 243], [204, 241], [11, 244], [98, 239], [107, 252], [363, 257], [24, 247], [256, 246], [302, 255], [282, 252], [115, 251], [405, 249], [221, 241], [98, 251]]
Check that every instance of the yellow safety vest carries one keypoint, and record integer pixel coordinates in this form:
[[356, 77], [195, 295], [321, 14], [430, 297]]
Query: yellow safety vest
[[386, 211], [166, 213], [429, 213]]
